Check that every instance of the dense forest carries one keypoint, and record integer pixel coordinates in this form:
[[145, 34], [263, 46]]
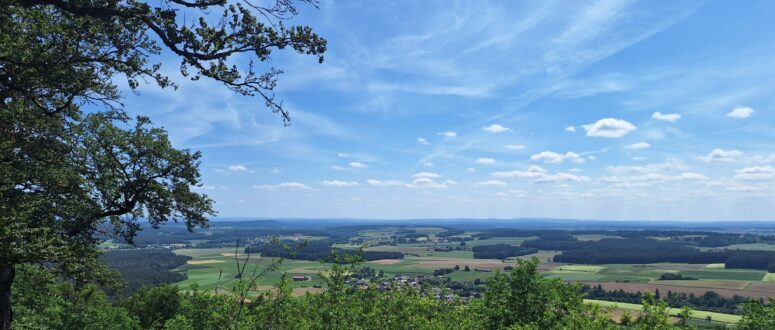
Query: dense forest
[[644, 251], [500, 251], [145, 267], [709, 301], [315, 250]]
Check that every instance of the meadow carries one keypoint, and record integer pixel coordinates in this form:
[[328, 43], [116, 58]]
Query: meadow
[[216, 267]]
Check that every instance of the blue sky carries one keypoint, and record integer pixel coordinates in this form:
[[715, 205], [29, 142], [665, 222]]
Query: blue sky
[[621, 110]]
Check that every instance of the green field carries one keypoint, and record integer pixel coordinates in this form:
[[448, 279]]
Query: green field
[[718, 317], [210, 263]]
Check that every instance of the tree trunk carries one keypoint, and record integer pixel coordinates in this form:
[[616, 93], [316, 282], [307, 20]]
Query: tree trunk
[[7, 273]]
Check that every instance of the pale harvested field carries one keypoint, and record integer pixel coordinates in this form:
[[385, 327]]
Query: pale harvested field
[[302, 291], [302, 270], [755, 290], [204, 262], [385, 262], [231, 254], [436, 263], [721, 284]]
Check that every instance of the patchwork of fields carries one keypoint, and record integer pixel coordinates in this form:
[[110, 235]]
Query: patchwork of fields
[[217, 267]]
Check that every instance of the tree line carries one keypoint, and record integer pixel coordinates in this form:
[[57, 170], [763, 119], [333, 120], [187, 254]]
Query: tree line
[[500, 251], [316, 250], [519, 299]]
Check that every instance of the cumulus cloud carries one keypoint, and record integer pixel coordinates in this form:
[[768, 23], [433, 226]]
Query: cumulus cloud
[[284, 186], [491, 183], [339, 183], [385, 183], [669, 117], [553, 157], [671, 164], [341, 154], [563, 177], [423, 141], [496, 128], [647, 179], [570, 129], [358, 165], [485, 161], [515, 146], [448, 134], [638, 146], [609, 128], [426, 175], [721, 155], [237, 168], [531, 173], [740, 113], [755, 173], [426, 183]]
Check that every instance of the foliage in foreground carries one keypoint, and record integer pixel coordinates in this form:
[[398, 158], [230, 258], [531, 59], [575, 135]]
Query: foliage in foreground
[[519, 299]]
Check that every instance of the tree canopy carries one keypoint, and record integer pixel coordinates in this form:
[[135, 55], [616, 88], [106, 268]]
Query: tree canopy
[[73, 164]]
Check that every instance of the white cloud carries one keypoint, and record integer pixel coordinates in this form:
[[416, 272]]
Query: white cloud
[[423, 141], [341, 154], [496, 128], [471, 169], [755, 173], [427, 164], [385, 183], [532, 172], [451, 182], [339, 183], [638, 146], [284, 186], [553, 157], [691, 176], [337, 168], [669, 117], [358, 165], [671, 164], [740, 113], [426, 175], [275, 170], [721, 155], [426, 183], [609, 128], [448, 134], [491, 183], [485, 161], [647, 179], [237, 168], [562, 177], [570, 129], [515, 146]]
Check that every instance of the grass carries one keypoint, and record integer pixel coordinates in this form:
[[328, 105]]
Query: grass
[[718, 317], [578, 269], [726, 274]]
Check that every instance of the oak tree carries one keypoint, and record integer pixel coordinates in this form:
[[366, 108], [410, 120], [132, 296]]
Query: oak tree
[[73, 165]]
